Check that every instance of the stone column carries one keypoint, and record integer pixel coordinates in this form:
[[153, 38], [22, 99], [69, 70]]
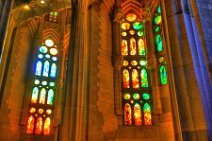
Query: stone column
[[4, 15], [74, 124], [186, 86]]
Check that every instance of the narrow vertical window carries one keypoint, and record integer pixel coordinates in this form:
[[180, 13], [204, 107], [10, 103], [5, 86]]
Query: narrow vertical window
[[163, 76], [43, 91], [127, 114], [147, 114], [160, 48], [134, 71]]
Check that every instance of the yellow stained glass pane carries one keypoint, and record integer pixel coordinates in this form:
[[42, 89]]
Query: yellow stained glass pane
[[132, 46], [125, 26], [124, 34], [131, 17]]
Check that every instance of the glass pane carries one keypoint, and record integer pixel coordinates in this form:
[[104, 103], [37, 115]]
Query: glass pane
[[126, 79], [159, 10], [30, 125], [126, 96], [140, 33], [35, 92], [138, 26], [38, 69], [132, 46], [124, 34], [125, 63], [159, 43], [125, 26], [144, 79], [46, 69], [135, 79], [46, 129], [157, 29], [137, 114], [124, 47], [141, 48], [42, 96], [127, 115], [163, 76], [50, 97], [132, 32], [131, 17], [136, 96], [43, 49], [53, 70], [147, 114], [157, 19], [146, 96], [39, 125], [134, 63], [53, 51], [49, 42]]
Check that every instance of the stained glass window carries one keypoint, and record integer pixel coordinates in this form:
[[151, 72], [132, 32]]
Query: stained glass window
[[147, 114], [52, 17], [43, 91], [158, 36], [163, 76], [157, 23], [135, 82]]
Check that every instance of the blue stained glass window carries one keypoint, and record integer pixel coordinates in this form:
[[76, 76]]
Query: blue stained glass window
[[53, 70], [46, 69], [50, 97], [38, 69]]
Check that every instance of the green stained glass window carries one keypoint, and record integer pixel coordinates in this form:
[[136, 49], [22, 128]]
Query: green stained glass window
[[50, 97], [144, 78], [145, 96], [140, 33], [157, 29], [157, 20], [159, 42], [147, 114], [159, 10], [136, 96], [138, 26], [163, 75]]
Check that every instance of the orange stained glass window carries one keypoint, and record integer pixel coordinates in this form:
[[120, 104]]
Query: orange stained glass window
[[127, 114], [126, 79], [46, 129], [137, 114], [39, 124], [135, 79], [30, 125], [131, 17], [132, 46], [124, 47], [147, 114]]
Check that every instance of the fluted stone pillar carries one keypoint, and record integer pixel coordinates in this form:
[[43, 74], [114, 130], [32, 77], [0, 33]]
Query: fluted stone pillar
[[74, 122], [4, 15], [186, 86]]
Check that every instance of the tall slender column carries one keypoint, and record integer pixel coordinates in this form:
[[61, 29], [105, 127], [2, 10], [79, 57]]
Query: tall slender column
[[75, 119], [186, 86], [4, 15]]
